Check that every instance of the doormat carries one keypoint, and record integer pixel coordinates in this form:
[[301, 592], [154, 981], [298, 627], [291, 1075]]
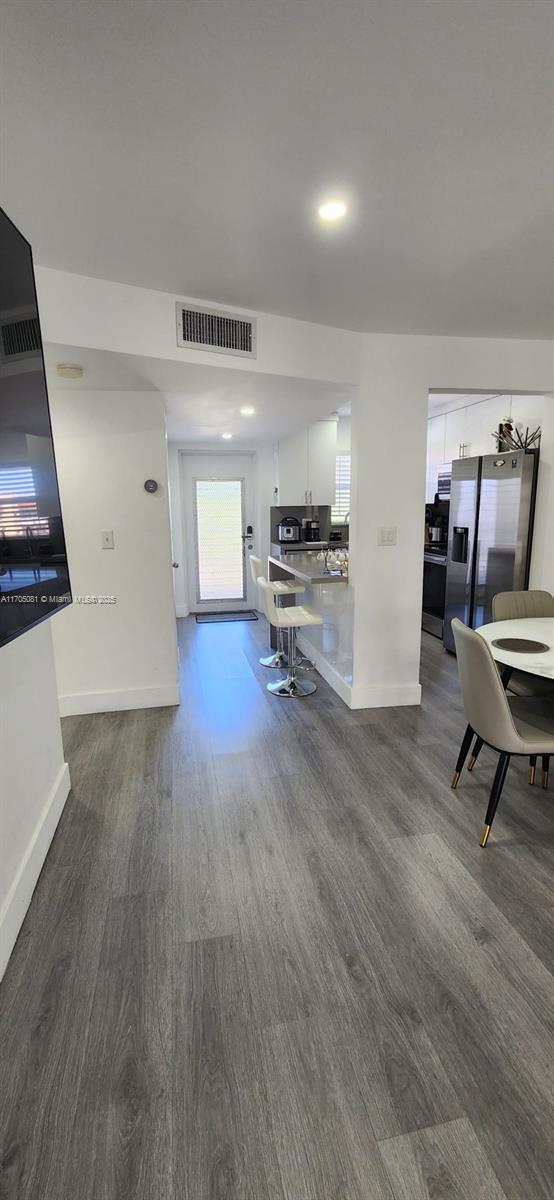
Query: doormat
[[215, 618]]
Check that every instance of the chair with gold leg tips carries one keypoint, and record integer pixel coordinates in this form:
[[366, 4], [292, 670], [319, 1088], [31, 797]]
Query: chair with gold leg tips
[[512, 606], [292, 618], [280, 587], [509, 725]]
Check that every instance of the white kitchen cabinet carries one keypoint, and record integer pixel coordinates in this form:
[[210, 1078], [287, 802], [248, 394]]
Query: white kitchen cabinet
[[322, 457], [528, 412], [293, 470], [481, 420], [436, 429], [456, 435], [307, 466]]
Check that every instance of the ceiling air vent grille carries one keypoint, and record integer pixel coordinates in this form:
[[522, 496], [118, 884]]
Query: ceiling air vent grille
[[20, 338], [216, 330]]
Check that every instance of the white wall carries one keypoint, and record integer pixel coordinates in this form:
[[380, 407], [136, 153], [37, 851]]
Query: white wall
[[122, 655], [34, 780], [79, 311], [389, 430], [389, 437]]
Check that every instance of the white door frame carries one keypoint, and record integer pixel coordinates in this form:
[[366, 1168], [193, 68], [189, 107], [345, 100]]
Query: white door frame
[[223, 469]]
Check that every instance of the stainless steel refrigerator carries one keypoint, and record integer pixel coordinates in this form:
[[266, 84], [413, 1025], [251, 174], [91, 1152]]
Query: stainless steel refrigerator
[[492, 507]]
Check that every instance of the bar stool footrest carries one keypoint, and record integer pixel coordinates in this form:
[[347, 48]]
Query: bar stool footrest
[[295, 688]]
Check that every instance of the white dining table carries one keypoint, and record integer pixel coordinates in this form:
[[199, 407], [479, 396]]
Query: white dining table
[[536, 629]]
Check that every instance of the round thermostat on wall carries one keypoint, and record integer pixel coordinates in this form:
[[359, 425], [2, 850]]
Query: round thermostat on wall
[[150, 485]]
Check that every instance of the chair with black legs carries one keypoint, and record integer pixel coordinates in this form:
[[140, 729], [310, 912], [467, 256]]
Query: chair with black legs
[[512, 606], [509, 725]]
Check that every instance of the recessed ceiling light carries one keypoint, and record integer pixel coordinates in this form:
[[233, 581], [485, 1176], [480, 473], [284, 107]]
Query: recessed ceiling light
[[247, 410], [226, 436], [69, 371], [332, 210]]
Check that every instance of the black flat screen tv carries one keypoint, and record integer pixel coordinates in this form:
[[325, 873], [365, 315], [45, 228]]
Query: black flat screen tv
[[34, 575]]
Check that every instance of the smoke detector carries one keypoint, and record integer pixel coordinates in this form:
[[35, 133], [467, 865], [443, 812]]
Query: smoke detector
[[69, 371]]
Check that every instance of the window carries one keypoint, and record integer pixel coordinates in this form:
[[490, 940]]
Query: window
[[18, 505], [341, 507], [218, 512]]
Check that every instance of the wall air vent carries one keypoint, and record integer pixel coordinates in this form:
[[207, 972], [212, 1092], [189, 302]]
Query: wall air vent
[[19, 338], [215, 330]]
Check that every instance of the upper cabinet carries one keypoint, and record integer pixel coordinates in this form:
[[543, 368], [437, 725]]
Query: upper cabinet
[[466, 433], [307, 466], [482, 420], [322, 462], [436, 430], [293, 470], [528, 412], [456, 435]]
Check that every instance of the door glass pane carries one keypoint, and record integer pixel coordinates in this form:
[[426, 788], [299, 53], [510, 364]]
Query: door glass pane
[[220, 561]]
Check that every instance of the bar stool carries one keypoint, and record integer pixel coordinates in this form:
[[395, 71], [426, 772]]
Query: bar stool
[[291, 619], [280, 587]]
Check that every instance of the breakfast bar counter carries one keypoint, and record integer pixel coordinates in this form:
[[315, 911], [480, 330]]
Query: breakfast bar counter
[[328, 645], [306, 568]]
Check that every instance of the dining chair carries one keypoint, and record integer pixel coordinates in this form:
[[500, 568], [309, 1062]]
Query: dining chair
[[510, 726], [513, 606]]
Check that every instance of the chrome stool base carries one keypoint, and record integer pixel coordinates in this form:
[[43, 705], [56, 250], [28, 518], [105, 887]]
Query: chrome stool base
[[297, 688], [277, 661]]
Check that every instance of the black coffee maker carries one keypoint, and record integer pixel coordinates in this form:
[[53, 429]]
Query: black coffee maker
[[310, 530]]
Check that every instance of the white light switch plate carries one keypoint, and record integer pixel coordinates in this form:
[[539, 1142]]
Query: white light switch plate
[[107, 541], [387, 535]]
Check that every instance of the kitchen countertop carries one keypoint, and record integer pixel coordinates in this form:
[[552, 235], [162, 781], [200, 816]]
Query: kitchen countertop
[[306, 567], [296, 547]]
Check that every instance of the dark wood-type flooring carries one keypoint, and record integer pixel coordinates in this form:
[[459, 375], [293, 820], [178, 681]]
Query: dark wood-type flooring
[[267, 958]]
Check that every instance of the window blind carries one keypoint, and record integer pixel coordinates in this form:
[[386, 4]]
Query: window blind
[[218, 513], [341, 507], [18, 504]]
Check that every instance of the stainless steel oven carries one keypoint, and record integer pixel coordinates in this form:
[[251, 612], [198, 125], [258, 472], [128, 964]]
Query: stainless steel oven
[[434, 588]]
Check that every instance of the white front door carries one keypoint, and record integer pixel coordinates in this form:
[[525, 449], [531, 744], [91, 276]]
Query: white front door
[[218, 530]]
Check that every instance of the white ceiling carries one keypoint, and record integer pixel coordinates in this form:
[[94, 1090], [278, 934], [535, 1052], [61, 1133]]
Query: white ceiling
[[184, 146], [203, 402]]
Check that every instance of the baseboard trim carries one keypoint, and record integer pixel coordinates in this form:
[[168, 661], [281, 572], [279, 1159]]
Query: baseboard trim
[[395, 695], [326, 669], [80, 703], [20, 894]]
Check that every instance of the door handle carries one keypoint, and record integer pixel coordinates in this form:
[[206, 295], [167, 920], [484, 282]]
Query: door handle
[[175, 565]]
